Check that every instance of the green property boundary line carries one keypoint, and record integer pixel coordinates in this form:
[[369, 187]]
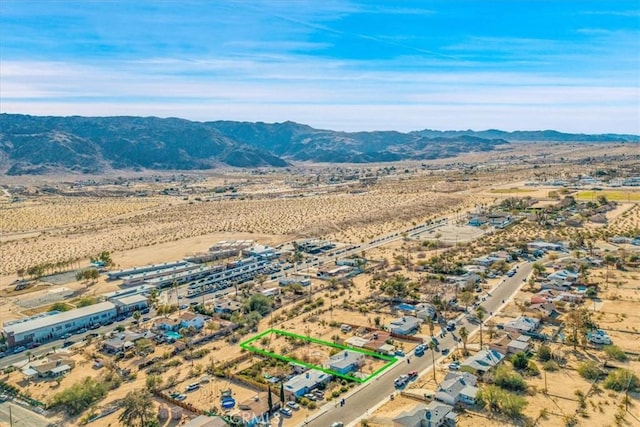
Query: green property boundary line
[[247, 346]]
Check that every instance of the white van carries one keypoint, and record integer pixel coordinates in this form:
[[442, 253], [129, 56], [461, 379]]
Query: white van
[[193, 386], [600, 339]]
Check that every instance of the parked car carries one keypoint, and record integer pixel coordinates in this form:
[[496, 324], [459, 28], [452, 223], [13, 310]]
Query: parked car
[[337, 424], [35, 344], [399, 353], [412, 375], [419, 350], [95, 326], [19, 349], [65, 336], [445, 351], [454, 366], [293, 405], [181, 397], [286, 412], [193, 386]]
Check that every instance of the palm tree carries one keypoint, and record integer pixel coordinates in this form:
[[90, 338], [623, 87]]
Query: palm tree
[[174, 285], [432, 347], [153, 297], [480, 314], [136, 316], [138, 409], [431, 325], [464, 334]]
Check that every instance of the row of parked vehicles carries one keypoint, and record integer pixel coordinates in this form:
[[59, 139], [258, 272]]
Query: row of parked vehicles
[[211, 284]]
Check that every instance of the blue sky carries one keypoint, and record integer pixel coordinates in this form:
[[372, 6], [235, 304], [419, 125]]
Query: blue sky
[[349, 65]]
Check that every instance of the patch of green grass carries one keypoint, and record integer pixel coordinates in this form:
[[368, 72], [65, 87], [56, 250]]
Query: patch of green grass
[[613, 195]]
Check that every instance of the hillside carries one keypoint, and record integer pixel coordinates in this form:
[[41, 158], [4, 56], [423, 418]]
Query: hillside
[[41, 145]]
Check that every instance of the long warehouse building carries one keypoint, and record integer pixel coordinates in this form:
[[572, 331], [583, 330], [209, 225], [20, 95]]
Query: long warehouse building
[[49, 326]]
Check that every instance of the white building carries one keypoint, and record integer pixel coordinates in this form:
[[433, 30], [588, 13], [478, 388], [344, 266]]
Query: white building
[[130, 303], [49, 326]]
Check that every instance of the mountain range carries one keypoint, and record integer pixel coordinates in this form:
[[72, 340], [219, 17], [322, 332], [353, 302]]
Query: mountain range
[[41, 145]]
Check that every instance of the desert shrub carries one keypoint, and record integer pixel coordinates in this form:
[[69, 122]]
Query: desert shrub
[[497, 400], [544, 353], [589, 370], [532, 368], [550, 366], [506, 378], [615, 352], [621, 379], [79, 396], [520, 360]]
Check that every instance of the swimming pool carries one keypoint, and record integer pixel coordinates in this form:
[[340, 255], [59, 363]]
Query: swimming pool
[[405, 307], [173, 335]]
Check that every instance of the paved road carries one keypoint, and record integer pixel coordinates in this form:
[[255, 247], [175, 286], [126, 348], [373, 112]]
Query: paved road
[[366, 397], [48, 347], [20, 416]]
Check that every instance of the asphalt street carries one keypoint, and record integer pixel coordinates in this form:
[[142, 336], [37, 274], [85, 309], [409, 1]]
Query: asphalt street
[[20, 417]]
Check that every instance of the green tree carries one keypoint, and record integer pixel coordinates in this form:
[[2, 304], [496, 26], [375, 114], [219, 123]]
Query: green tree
[[269, 400], [506, 378], [464, 335], [467, 298], [138, 409], [260, 303], [59, 306], [544, 353], [538, 269], [490, 397], [520, 360], [79, 396], [578, 322], [136, 316]]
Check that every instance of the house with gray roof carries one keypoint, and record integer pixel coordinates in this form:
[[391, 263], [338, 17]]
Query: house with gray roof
[[405, 325], [436, 414], [483, 361], [457, 387], [522, 324], [346, 361], [304, 383]]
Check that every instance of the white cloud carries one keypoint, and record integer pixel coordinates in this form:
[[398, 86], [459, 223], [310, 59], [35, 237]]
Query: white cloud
[[329, 94]]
